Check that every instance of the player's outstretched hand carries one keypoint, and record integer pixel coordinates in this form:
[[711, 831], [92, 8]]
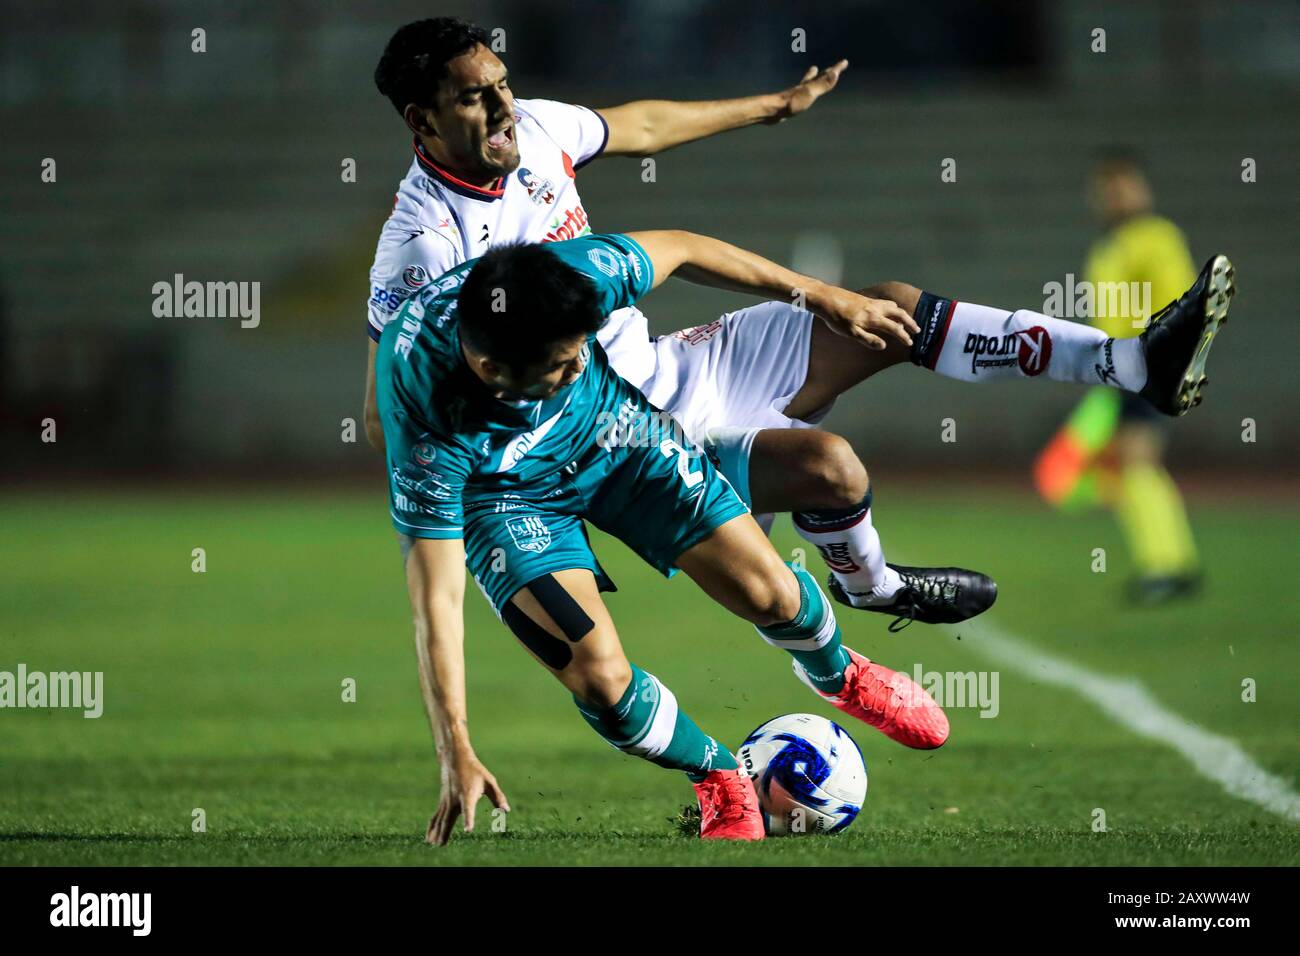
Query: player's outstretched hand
[[863, 319], [464, 782], [814, 85]]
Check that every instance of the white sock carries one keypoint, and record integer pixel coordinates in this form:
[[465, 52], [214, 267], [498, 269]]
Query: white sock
[[850, 546], [975, 343]]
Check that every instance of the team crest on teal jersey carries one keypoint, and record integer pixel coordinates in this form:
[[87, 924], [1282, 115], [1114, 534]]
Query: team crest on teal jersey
[[529, 533]]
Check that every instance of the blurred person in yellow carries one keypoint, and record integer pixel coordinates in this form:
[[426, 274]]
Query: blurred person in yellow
[[1111, 449]]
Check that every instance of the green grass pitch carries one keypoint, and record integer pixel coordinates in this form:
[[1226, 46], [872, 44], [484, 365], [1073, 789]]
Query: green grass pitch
[[223, 691]]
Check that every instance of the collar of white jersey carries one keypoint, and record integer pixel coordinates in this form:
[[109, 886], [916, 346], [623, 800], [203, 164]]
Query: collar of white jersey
[[459, 186]]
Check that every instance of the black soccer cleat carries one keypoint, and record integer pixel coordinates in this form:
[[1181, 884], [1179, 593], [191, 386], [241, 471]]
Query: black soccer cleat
[[1177, 341], [1154, 590], [930, 595]]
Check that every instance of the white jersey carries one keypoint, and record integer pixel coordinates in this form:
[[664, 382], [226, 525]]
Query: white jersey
[[438, 221]]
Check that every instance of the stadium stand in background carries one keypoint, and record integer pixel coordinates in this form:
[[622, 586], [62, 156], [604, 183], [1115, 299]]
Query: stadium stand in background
[[226, 166]]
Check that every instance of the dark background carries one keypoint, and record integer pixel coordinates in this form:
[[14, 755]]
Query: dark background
[[225, 165]]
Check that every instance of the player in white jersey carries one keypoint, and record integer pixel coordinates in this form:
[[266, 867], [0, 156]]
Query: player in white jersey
[[490, 169], [439, 221]]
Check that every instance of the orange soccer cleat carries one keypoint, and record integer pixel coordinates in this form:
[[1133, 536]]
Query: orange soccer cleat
[[729, 807], [890, 701]]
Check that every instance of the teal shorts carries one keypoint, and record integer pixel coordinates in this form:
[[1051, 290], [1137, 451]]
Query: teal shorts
[[657, 498]]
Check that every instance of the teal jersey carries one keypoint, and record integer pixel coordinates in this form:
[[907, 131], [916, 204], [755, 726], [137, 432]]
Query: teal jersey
[[451, 442]]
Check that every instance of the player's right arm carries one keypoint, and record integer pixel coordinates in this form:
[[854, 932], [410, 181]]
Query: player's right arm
[[712, 262], [435, 580], [429, 464]]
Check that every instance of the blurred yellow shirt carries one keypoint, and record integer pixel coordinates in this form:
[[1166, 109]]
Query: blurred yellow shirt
[[1144, 249]]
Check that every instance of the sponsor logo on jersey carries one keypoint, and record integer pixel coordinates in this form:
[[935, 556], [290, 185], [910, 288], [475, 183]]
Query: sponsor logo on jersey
[[426, 484], [1031, 349], [386, 299], [574, 224], [540, 191], [415, 276], [408, 506], [700, 333], [529, 533], [423, 454]]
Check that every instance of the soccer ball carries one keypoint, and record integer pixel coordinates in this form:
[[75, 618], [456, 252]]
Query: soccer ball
[[809, 774]]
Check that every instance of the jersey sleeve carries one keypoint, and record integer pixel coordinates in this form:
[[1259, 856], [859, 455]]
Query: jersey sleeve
[[579, 131], [407, 259], [427, 473], [619, 267]]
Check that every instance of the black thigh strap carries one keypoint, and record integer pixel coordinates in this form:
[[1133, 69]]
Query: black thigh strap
[[552, 651], [560, 605], [563, 610]]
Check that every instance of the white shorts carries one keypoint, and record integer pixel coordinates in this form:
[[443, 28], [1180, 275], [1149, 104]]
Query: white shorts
[[727, 380]]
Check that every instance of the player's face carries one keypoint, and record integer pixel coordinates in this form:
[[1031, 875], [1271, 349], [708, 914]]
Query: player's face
[[1118, 193], [475, 116], [545, 379]]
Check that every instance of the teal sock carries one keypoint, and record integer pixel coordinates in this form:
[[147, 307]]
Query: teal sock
[[646, 722], [812, 638]]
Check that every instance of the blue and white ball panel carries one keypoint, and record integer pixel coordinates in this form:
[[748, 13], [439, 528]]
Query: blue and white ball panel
[[809, 774]]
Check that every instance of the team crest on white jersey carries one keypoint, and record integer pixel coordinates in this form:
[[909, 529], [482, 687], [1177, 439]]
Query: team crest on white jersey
[[540, 190], [529, 533]]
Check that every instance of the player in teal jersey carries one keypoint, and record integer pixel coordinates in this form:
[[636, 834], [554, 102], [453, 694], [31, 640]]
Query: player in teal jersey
[[506, 427], [522, 470]]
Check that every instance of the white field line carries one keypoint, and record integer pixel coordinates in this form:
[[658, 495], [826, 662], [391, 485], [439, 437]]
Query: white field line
[[1126, 701]]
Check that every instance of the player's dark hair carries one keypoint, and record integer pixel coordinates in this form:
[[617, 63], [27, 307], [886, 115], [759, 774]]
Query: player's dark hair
[[520, 300], [1113, 158], [415, 60]]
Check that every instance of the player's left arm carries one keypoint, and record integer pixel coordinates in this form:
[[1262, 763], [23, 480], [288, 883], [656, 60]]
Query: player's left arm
[[645, 127], [715, 263]]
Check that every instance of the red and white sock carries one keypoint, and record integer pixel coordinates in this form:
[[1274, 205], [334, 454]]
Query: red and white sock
[[976, 343], [850, 546]]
